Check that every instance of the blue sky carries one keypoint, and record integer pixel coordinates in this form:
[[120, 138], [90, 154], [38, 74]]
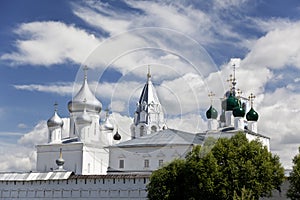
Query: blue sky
[[44, 43]]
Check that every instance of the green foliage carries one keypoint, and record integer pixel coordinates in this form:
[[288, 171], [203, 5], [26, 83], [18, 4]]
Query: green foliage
[[225, 169], [245, 195], [168, 182], [294, 189]]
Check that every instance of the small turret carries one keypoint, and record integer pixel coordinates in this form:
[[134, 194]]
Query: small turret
[[60, 162], [55, 124], [212, 115], [252, 116], [107, 124]]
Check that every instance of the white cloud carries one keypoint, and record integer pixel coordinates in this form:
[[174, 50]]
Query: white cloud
[[38, 135], [57, 88], [277, 49], [227, 4], [22, 126], [48, 43], [22, 156], [101, 21]]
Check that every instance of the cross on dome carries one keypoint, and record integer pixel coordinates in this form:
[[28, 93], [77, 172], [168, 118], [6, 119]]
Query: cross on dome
[[211, 96], [149, 73], [55, 106], [251, 98], [239, 92], [85, 69]]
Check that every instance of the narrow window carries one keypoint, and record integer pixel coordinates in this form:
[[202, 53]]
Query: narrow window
[[121, 164], [160, 163], [89, 168], [146, 163], [142, 129]]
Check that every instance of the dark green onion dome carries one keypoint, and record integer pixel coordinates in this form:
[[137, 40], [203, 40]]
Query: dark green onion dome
[[231, 102], [252, 115], [211, 113], [238, 112]]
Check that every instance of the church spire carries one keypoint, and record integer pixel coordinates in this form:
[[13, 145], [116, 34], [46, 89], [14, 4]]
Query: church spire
[[149, 116]]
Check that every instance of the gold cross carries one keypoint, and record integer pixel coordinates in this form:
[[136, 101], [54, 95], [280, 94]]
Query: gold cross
[[55, 106], [251, 98], [85, 69], [211, 95], [239, 92]]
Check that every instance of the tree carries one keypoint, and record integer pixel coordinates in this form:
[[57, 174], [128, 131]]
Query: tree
[[294, 189], [230, 169], [167, 182]]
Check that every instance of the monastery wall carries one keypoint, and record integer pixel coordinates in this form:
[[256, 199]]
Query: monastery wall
[[79, 187]]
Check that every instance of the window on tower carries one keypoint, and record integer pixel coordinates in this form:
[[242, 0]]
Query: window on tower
[[121, 164], [142, 129], [160, 163], [146, 163]]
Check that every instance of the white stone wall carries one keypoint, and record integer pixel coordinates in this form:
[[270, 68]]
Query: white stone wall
[[79, 158], [79, 188], [134, 157], [47, 155]]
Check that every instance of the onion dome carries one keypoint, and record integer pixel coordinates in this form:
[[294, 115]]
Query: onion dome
[[92, 104], [211, 113], [238, 112], [231, 102], [117, 136], [252, 115], [108, 125], [55, 120]]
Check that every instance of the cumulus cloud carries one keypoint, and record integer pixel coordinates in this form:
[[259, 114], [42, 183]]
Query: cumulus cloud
[[279, 48], [48, 43]]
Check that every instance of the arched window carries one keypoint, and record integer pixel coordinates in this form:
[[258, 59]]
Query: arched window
[[153, 129], [142, 129]]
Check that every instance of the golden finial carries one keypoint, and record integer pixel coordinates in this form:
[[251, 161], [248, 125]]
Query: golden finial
[[60, 153], [230, 81], [149, 73], [239, 92], [211, 95], [85, 69], [107, 112], [251, 98], [55, 106]]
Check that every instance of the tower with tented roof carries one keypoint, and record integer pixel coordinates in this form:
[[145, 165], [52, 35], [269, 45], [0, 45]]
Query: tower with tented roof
[[149, 115]]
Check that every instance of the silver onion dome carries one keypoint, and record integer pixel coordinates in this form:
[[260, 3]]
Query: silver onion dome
[[55, 120], [92, 104], [107, 124]]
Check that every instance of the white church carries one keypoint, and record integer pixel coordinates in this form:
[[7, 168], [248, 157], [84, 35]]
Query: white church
[[93, 161]]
